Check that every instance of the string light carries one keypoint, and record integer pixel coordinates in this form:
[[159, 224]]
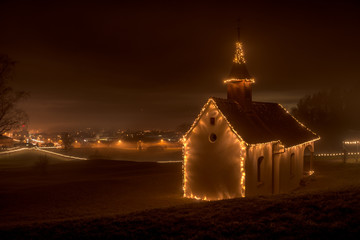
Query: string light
[[185, 140], [251, 80], [243, 145], [211, 100], [238, 59], [351, 143], [304, 143], [335, 154], [184, 166], [298, 120], [242, 168], [239, 54]]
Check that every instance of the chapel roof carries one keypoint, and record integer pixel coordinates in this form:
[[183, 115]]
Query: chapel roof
[[264, 122], [239, 72]]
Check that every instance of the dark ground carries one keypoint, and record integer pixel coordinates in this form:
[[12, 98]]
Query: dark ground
[[100, 199], [330, 215], [77, 189]]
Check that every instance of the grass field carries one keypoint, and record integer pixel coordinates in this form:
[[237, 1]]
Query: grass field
[[107, 199], [329, 215], [73, 189]]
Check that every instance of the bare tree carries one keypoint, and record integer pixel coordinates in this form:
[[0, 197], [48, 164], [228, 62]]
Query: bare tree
[[11, 117]]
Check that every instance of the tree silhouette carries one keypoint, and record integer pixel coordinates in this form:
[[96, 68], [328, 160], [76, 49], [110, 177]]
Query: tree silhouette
[[330, 113], [67, 140], [11, 117], [183, 128]]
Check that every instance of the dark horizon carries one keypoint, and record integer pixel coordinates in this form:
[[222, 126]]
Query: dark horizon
[[153, 65]]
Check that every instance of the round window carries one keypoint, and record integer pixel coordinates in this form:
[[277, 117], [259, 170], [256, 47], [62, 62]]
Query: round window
[[212, 137]]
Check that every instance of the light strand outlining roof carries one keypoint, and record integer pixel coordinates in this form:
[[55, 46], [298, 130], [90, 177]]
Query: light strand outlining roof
[[296, 119], [265, 122], [213, 101], [304, 143], [243, 146], [226, 120]]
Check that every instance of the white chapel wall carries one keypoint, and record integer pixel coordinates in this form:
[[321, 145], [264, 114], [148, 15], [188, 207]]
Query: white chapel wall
[[253, 186], [290, 180], [213, 167]]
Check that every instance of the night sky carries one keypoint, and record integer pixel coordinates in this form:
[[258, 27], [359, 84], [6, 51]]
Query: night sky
[[137, 65]]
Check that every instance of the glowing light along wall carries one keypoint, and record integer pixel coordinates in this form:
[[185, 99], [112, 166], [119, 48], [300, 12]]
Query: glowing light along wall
[[214, 167]]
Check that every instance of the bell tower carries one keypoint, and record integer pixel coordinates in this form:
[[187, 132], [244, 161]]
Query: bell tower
[[239, 82]]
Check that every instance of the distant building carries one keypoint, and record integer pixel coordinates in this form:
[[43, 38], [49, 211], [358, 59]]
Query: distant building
[[237, 147]]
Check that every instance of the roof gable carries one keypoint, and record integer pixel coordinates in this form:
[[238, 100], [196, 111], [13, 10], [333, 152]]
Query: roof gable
[[203, 110], [266, 122]]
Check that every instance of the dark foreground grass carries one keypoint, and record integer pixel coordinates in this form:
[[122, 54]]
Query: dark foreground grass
[[327, 215], [105, 199], [70, 190]]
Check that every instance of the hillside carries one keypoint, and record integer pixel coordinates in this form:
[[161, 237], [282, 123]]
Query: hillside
[[334, 215], [99, 199], [75, 189]]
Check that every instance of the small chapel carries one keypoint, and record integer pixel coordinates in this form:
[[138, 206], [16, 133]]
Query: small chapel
[[238, 147]]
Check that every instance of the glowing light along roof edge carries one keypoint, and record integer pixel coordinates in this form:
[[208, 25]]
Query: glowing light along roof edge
[[252, 80], [239, 72], [316, 139], [211, 100]]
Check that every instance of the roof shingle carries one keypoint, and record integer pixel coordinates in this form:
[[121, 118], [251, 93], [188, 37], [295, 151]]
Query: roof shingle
[[265, 122], [239, 71]]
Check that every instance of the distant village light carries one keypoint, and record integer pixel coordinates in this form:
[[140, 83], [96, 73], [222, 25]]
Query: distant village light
[[351, 142]]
